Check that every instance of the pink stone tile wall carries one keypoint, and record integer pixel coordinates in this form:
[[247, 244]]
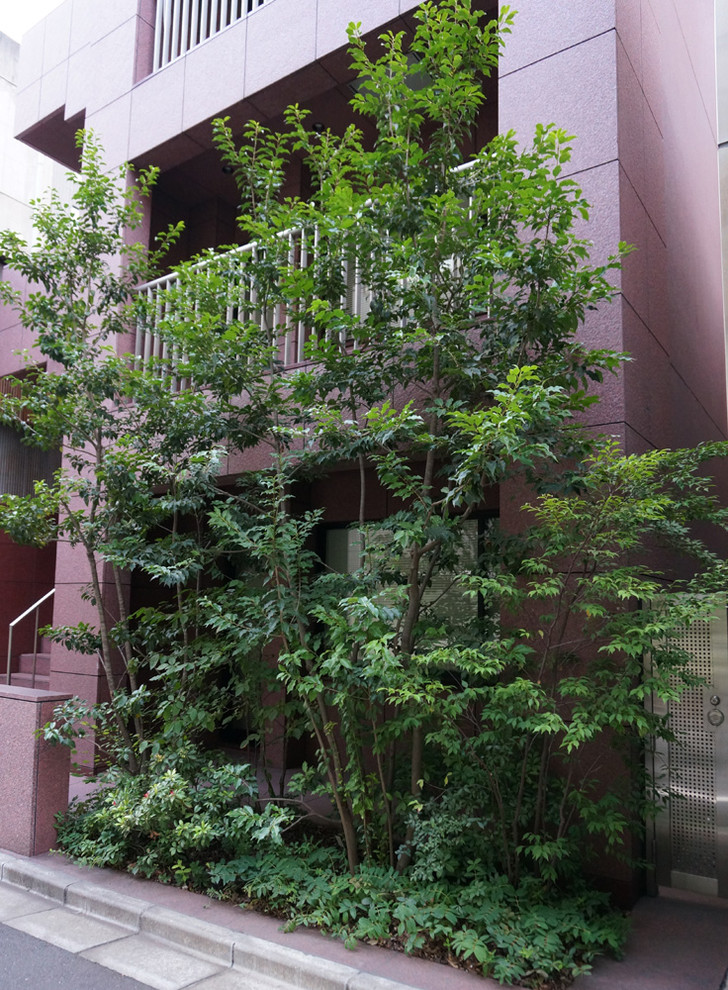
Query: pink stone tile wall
[[88, 58], [635, 82], [33, 775], [690, 222], [632, 79], [26, 574]]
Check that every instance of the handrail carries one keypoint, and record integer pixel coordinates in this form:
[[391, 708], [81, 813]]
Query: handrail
[[33, 608]]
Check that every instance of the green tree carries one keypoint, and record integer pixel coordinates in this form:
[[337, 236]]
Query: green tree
[[124, 438], [463, 370]]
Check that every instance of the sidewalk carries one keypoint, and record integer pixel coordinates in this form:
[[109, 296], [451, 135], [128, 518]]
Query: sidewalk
[[679, 941], [170, 938]]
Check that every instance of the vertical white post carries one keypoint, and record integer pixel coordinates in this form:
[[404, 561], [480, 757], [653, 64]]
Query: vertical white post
[[159, 34], [185, 42], [254, 314], [289, 349], [195, 24], [176, 27], [300, 344], [314, 259], [346, 299], [204, 20]]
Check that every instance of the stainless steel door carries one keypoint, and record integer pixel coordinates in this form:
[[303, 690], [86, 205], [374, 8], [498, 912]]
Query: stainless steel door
[[691, 834]]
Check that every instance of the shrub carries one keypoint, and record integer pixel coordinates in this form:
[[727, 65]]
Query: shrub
[[170, 822]]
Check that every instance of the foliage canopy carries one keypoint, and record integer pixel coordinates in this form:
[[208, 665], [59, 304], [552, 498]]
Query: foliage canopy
[[456, 685]]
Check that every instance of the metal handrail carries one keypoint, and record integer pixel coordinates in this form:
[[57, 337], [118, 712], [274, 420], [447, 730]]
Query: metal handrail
[[33, 608]]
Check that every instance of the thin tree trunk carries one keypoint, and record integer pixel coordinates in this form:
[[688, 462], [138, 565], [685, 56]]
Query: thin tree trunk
[[106, 660]]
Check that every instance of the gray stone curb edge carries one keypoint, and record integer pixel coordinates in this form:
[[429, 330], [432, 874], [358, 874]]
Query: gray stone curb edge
[[224, 947]]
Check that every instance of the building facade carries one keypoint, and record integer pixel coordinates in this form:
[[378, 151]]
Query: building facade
[[25, 174], [633, 80]]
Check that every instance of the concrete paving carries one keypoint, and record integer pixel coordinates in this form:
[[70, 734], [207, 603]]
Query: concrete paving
[[170, 939], [678, 941]]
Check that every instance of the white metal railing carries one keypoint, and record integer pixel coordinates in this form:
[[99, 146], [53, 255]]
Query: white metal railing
[[181, 25], [34, 608], [238, 299]]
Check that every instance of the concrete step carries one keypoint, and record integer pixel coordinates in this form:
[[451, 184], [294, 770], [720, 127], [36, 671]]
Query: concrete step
[[43, 663], [20, 679]]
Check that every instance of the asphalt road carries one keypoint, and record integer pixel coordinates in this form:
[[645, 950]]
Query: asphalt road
[[27, 962]]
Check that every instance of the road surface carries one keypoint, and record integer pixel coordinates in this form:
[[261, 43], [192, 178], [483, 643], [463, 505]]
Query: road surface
[[27, 962]]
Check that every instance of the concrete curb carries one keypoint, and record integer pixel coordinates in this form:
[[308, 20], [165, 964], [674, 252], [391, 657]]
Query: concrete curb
[[226, 948], [108, 905]]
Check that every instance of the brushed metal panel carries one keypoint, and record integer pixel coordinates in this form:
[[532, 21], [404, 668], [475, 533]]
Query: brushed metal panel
[[691, 834]]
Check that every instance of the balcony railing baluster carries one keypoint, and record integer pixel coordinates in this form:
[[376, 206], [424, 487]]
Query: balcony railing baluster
[[175, 46], [195, 23], [300, 325], [181, 25], [240, 300]]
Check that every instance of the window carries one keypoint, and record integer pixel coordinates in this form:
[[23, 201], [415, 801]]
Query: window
[[444, 598]]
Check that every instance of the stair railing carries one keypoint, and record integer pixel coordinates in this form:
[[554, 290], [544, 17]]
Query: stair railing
[[33, 608]]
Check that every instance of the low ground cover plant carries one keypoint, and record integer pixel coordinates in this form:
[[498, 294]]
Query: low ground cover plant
[[187, 810], [196, 822]]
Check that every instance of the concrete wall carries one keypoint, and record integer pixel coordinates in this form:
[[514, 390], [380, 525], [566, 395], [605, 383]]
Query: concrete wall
[[25, 175], [634, 80], [690, 225]]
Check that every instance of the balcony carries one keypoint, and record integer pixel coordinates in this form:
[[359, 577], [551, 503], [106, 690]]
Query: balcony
[[183, 24], [169, 296]]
